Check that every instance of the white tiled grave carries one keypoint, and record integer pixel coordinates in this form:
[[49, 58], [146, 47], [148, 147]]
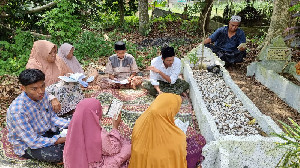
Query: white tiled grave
[[224, 113], [267, 74]]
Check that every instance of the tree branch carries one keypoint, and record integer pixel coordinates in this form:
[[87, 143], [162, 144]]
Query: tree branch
[[33, 10], [40, 8], [33, 33]]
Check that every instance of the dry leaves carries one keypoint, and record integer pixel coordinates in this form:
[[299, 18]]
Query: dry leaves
[[9, 90]]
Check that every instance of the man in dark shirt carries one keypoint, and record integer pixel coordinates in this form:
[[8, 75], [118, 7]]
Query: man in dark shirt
[[228, 42]]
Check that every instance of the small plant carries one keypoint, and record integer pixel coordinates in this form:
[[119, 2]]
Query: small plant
[[193, 59], [291, 158]]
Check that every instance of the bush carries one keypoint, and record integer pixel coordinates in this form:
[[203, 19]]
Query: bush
[[91, 45], [14, 56], [62, 23], [131, 23], [190, 26]]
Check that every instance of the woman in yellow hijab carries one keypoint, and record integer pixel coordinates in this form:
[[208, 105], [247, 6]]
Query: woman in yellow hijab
[[156, 141]]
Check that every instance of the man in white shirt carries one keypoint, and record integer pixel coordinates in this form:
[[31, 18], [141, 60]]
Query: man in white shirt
[[164, 72]]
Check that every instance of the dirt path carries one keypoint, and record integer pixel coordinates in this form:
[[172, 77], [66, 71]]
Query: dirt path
[[264, 99]]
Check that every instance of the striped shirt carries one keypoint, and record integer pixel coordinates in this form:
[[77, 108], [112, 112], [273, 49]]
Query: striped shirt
[[121, 68], [28, 120]]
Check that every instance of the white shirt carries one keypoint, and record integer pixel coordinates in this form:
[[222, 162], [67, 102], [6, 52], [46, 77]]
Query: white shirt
[[173, 71]]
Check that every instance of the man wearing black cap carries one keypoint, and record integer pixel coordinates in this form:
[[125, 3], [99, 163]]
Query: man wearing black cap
[[122, 66], [164, 72]]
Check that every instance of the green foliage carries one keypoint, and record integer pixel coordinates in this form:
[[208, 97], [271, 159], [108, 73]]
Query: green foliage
[[107, 21], [196, 8], [91, 46], [18, 16], [62, 22], [110, 20], [193, 58], [295, 8], [190, 26], [291, 158], [156, 4], [14, 55], [169, 18], [131, 23], [163, 21], [256, 39], [131, 7], [131, 48]]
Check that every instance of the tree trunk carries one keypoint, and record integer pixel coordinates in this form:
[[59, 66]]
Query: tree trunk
[[206, 9], [279, 20], [121, 9], [143, 16]]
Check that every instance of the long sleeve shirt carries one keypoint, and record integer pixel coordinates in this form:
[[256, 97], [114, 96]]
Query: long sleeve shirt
[[173, 71], [28, 120], [121, 68]]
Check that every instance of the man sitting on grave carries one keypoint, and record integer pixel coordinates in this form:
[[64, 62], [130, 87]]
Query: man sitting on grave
[[32, 123], [229, 42], [122, 69], [164, 72]]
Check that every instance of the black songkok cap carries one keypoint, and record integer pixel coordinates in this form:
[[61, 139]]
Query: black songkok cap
[[120, 45], [167, 52]]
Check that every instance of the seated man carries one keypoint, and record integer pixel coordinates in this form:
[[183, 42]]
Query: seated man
[[164, 72], [32, 124], [226, 41], [122, 66]]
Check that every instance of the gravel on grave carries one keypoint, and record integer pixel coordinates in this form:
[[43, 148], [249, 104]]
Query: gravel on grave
[[230, 116]]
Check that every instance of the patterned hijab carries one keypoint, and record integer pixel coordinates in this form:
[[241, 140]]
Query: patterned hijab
[[83, 142], [72, 63], [38, 60], [156, 140]]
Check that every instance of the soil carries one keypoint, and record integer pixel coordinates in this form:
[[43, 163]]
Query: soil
[[264, 99], [290, 78]]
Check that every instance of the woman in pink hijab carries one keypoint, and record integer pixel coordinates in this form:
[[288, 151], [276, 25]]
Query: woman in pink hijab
[[88, 145], [65, 52], [43, 57]]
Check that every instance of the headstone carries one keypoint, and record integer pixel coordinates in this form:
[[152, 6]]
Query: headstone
[[160, 13], [276, 51]]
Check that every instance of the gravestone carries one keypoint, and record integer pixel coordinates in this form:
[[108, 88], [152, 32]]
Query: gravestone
[[275, 59], [275, 55], [277, 51]]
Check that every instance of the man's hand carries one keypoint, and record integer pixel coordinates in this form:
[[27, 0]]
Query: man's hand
[[56, 105], [160, 92], [207, 41], [112, 77], [242, 48], [60, 140], [152, 68]]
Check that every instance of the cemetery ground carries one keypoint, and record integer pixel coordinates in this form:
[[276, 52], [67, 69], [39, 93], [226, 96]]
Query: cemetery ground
[[265, 100]]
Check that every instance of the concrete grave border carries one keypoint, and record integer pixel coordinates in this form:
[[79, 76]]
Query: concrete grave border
[[232, 151], [286, 90]]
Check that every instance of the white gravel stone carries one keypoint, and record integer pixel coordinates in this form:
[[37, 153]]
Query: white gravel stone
[[230, 116]]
